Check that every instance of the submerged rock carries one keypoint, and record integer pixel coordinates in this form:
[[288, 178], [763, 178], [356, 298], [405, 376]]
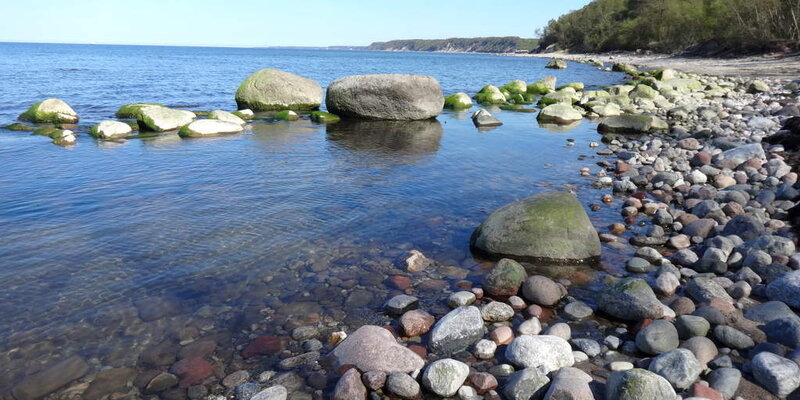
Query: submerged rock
[[551, 225], [399, 97], [50, 378], [111, 130], [631, 124], [323, 117], [209, 127], [372, 348], [505, 278], [50, 110], [273, 90]]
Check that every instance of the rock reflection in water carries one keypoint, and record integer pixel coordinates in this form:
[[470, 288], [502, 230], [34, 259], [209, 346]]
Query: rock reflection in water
[[387, 137], [557, 128]]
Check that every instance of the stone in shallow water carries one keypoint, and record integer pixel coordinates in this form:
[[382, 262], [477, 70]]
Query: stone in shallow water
[[630, 299], [50, 110], [457, 330], [51, 378], [210, 127], [402, 386], [372, 348], [505, 278], [542, 290], [416, 322], [350, 387], [483, 118], [399, 304], [399, 97], [273, 90], [444, 377], [496, 311]]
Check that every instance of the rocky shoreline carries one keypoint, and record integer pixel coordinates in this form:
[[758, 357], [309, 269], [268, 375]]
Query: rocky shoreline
[[705, 310]]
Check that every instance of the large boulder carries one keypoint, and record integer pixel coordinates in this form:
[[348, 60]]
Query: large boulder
[[209, 127], [458, 101], [274, 90], [637, 384], [162, 119], [630, 299], [551, 225], [372, 348], [490, 94], [110, 130], [397, 97], [559, 113], [50, 110], [631, 124]]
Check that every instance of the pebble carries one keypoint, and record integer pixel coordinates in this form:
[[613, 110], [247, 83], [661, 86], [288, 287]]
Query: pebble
[[444, 377], [578, 310]]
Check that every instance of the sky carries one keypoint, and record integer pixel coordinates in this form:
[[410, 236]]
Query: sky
[[253, 23]]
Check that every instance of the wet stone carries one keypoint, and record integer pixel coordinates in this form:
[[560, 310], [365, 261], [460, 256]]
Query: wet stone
[[51, 378], [399, 304], [277, 392], [403, 386], [416, 323], [236, 378], [578, 310], [457, 330], [191, 371], [109, 381], [461, 299], [161, 382]]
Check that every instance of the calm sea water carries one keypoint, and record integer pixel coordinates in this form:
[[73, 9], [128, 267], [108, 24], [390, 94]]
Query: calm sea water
[[250, 234]]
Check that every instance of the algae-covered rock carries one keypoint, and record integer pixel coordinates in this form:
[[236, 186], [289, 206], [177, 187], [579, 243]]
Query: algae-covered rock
[[161, 119], [559, 114], [110, 130], [517, 108], [226, 116], [505, 278], [272, 90], [396, 97], [458, 101], [286, 115], [19, 127], [490, 95], [638, 384], [50, 110], [644, 92], [245, 114], [551, 225], [209, 127], [758, 86], [134, 111], [543, 86], [631, 299], [631, 124], [323, 117], [516, 87], [565, 96], [556, 64], [628, 69], [63, 137], [578, 86]]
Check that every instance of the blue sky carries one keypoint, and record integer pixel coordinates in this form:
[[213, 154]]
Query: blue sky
[[249, 23]]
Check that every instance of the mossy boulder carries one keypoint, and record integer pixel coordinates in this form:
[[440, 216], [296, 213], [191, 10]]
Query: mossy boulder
[[515, 87], [226, 116], [564, 96], [246, 114], [63, 137], [632, 124], [666, 74], [628, 69], [323, 117], [110, 130], [490, 94], [45, 130], [758, 86], [52, 111], [550, 226], [393, 97], [458, 101], [559, 114], [606, 110], [556, 64], [273, 90], [516, 108], [543, 86], [638, 384], [505, 278], [162, 119], [19, 127], [644, 92], [286, 115], [630, 299], [209, 128], [578, 86], [134, 111]]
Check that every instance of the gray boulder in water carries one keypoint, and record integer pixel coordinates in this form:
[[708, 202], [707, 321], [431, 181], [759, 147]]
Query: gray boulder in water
[[274, 90], [397, 97], [550, 226]]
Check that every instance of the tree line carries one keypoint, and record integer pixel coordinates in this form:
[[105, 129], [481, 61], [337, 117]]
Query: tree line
[[677, 25], [508, 44]]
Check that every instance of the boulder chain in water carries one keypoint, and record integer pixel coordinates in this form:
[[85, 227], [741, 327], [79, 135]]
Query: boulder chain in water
[[399, 97], [275, 90]]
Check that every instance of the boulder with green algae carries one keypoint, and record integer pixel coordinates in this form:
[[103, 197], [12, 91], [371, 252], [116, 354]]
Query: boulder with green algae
[[286, 115], [630, 299], [273, 90], [517, 108], [63, 137], [632, 124], [515, 87], [110, 130], [758, 87], [543, 86], [556, 64], [45, 130], [226, 116], [551, 225], [578, 86], [458, 101], [665, 74], [323, 117], [50, 110], [209, 128], [638, 384], [16, 126], [134, 111], [246, 114], [628, 69], [559, 114], [644, 92], [505, 278], [564, 96], [490, 94], [162, 119]]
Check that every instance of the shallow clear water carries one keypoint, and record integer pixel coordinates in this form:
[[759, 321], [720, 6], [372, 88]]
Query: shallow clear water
[[252, 233]]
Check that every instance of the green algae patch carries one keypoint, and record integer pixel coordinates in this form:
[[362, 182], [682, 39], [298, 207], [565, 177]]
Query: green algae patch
[[286, 115], [323, 117], [18, 127], [134, 111]]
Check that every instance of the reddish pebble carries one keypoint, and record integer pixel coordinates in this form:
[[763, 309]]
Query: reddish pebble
[[192, 371], [464, 285], [482, 382], [534, 311], [263, 345], [420, 350], [700, 390], [399, 282], [639, 195], [502, 335], [722, 305], [416, 323]]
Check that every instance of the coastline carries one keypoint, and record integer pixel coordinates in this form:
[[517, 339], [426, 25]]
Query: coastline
[[786, 67]]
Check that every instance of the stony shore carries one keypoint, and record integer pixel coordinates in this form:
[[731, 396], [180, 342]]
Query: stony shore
[[705, 309]]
